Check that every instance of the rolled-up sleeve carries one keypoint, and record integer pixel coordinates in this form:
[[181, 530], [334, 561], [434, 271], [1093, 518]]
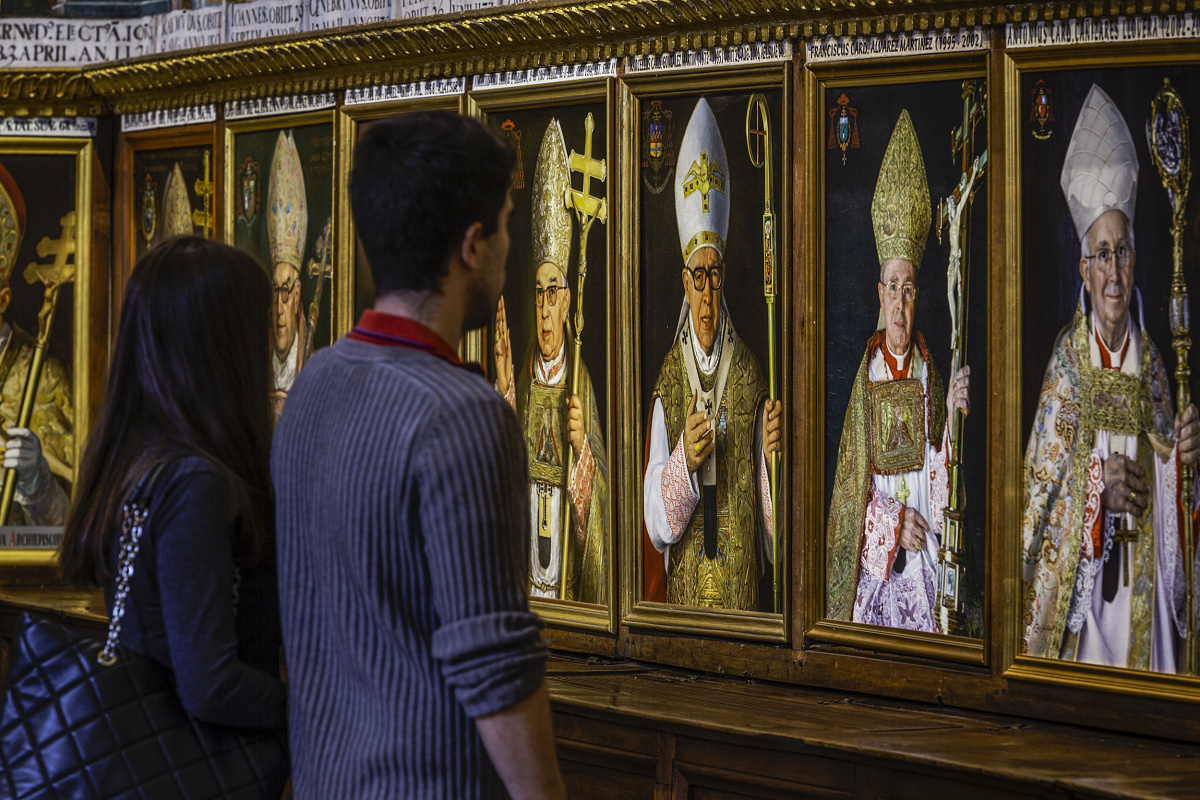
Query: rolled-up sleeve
[[474, 513]]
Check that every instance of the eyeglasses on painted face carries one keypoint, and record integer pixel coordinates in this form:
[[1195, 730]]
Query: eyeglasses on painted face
[[549, 295], [284, 290], [1107, 256], [712, 276], [897, 290]]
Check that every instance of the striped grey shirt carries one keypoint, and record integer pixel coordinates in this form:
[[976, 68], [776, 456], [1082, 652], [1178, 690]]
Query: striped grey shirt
[[400, 490]]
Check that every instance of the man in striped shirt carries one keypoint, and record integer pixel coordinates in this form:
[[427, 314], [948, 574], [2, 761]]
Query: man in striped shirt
[[415, 665]]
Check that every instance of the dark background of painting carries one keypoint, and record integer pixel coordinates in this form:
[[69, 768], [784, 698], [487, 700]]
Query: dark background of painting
[[159, 163], [662, 260], [519, 281], [314, 143], [47, 184], [852, 276], [1050, 246]]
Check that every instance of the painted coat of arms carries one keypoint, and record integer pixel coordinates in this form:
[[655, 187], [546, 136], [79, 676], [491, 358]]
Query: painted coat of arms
[[249, 195], [843, 127], [1042, 111], [513, 135], [658, 148], [149, 213]]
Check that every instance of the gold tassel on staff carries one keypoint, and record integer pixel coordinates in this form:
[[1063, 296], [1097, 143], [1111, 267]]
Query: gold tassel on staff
[[587, 209], [54, 276], [758, 144], [1167, 134]]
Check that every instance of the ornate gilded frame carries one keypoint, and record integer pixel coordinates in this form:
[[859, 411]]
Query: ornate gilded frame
[[481, 104], [1016, 667], [88, 359], [637, 613], [811, 419], [338, 324]]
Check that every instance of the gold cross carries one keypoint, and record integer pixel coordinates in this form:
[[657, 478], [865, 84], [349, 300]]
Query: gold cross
[[704, 176], [57, 273], [1124, 537], [962, 138], [204, 188], [903, 494], [586, 206]]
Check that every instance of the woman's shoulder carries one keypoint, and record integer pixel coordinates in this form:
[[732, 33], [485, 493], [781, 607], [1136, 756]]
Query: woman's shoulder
[[188, 480]]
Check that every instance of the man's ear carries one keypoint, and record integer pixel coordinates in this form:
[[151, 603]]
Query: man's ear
[[469, 250]]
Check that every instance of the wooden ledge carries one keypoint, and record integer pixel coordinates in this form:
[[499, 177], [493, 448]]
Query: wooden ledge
[[1004, 754]]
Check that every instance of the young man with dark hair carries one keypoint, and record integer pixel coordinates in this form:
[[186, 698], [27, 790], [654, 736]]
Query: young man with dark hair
[[415, 664]]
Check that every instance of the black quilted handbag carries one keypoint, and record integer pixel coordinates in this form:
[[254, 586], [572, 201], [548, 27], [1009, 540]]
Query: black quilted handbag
[[87, 720]]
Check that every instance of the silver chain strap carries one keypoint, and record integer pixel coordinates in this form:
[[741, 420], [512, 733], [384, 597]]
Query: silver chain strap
[[132, 519]]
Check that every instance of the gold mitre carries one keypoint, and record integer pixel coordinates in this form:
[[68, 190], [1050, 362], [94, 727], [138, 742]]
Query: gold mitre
[[287, 204], [900, 212], [551, 218], [12, 223], [177, 211]]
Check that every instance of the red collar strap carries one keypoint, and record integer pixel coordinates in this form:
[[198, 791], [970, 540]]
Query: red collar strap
[[390, 330]]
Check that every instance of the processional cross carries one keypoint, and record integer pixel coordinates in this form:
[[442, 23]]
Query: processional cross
[[587, 210], [53, 275], [204, 189], [319, 268], [953, 216]]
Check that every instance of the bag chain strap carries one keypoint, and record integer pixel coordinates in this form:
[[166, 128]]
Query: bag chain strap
[[132, 521]]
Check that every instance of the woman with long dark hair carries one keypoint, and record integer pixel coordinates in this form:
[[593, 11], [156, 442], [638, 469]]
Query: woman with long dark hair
[[187, 404]]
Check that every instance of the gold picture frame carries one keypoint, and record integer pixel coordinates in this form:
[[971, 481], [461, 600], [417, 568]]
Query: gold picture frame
[[486, 105], [1019, 64], [89, 329], [637, 613], [812, 416]]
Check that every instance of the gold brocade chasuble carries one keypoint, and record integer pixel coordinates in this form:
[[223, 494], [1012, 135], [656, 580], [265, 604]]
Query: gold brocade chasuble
[[542, 411], [1092, 399], [730, 580], [884, 433]]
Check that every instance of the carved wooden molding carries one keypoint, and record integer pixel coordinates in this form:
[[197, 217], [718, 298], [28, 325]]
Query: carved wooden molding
[[47, 93], [512, 38]]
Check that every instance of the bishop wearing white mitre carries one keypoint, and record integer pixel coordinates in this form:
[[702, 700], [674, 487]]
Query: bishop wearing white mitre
[[1103, 573]]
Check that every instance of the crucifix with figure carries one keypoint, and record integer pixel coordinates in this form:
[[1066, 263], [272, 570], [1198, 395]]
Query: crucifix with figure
[[588, 209], [204, 190]]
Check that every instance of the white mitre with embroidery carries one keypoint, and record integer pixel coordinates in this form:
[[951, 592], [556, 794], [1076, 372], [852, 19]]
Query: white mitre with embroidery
[[702, 185], [287, 204], [1101, 168]]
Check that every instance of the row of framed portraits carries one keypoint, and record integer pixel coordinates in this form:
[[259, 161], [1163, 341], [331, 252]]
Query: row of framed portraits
[[827, 326]]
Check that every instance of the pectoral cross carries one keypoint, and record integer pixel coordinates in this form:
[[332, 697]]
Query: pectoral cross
[[903, 493], [1123, 537], [204, 189]]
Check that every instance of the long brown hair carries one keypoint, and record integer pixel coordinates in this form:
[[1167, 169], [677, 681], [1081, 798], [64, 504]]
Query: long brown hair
[[190, 376]]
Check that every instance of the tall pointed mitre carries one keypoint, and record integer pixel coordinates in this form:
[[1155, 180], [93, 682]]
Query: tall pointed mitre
[[176, 208], [702, 185], [900, 210], [1101, 168], [551, 217], [12, 223], [287, 205]]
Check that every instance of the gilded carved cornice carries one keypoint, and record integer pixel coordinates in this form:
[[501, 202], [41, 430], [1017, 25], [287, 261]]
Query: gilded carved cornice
[[537, 34], [47, 93]]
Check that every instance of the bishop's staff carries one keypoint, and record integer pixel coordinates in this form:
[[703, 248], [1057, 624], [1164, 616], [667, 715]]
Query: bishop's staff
[[587, 210], [1167, 135], [54, 276], [320, 268], [758, 144], [953, 214]]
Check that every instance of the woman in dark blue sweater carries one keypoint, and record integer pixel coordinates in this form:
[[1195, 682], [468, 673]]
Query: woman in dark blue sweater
[[187, 404]]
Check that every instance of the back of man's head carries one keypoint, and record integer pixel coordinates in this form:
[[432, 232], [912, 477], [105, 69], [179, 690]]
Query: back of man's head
[[419, 181]]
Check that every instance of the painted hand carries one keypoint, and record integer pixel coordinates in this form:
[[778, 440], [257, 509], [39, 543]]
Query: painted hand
[[575, 432], [773, 427], [503, 350], [23, 452], [698, 435], [1187, 434], [913, 531], [1124, 491], [959, 395]]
